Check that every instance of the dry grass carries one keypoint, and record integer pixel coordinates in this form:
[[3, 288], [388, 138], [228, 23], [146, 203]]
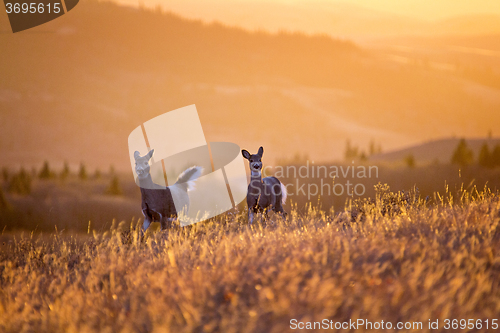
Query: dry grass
[[415, 264]]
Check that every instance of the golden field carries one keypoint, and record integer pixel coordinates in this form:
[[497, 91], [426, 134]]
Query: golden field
[[401, 260]]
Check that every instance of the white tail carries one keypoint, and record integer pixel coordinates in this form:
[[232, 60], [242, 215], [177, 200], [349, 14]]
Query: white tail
[[189, 176], [283, 194]]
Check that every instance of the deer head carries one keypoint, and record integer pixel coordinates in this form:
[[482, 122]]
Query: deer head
[[142, 164], [254, 160]]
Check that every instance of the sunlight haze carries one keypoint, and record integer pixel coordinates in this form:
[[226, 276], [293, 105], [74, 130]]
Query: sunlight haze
[[354, 19], [420, 9]]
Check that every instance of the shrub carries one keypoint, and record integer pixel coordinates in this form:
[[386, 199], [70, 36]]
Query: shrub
[[386, 203]]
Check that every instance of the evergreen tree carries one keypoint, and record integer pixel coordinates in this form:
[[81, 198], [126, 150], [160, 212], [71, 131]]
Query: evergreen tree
[[114, 187], [351, 152], [485, 157], [45, 173], [5, 174], [495, 156], [65, 171], [462, 154], [82, 174], [410, 161], [372, 150], [4, 204], [20, 183]]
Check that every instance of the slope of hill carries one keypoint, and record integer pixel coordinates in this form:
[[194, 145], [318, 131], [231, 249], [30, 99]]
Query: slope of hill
[[439, 151], [74, 88], [327, 17], [469, 25]]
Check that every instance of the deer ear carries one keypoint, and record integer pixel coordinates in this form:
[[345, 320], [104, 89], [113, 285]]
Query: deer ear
[[245, 154], [261, 152], [150, 154], [137, 154]]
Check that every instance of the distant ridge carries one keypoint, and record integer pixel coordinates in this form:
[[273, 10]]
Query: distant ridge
[[334, 18], [434, 151], [77, 86]]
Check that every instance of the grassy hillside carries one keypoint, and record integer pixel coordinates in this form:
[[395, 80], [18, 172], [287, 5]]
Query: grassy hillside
[[72, 203], [419, 263], [74, 88]]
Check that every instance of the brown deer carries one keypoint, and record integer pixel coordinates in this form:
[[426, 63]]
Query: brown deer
[[263, 194], [157, 200]]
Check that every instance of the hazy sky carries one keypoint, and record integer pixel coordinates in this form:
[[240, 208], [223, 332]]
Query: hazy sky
[[425, 9], [422, 9]]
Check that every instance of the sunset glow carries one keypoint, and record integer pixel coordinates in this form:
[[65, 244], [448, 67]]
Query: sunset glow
[[249, 165], [347, 19]]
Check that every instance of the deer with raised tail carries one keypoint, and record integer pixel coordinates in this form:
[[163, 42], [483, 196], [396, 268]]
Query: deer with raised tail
[[263, 194], [158, 202]]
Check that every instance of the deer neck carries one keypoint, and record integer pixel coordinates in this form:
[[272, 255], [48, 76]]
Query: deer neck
[[256, 176], [256, 181]]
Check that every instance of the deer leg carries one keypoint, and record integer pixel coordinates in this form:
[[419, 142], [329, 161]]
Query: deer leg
[[163, 222], [279, 209], [251, 215], [252, 203], [171, 221], [147, 221], [265, 212], [167, 222]]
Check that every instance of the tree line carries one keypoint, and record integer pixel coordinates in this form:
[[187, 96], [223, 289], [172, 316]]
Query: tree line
[[487, 158], [20, 182]]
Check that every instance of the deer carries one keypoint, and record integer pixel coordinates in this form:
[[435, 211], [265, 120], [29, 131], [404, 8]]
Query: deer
[[157, 200], [263, 194]]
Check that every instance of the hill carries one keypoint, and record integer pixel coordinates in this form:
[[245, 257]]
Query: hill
[[74, 88], [439, 151], [334, 18]]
